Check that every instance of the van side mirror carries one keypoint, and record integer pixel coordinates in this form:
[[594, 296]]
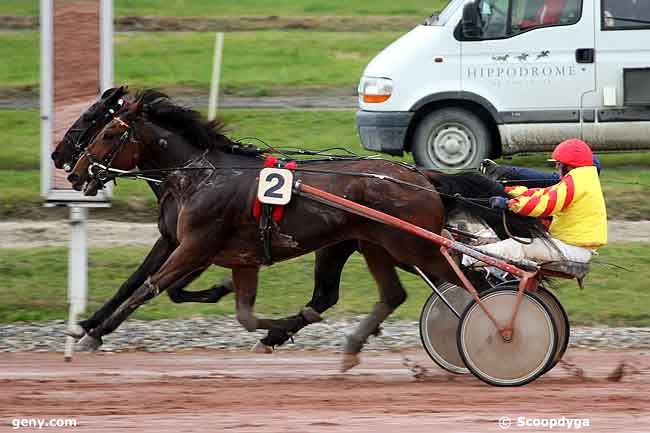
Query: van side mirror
[[470, 24]]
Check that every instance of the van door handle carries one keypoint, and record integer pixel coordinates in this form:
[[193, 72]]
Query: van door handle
[[585, 55]]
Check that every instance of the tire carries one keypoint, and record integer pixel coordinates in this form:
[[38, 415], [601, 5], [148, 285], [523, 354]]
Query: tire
[[561, 322], [560, 318], [452, 138], [439, 325], [522, 359]]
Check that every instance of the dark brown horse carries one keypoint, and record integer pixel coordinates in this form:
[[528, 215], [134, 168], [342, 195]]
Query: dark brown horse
[[212, 205], [329, 261]]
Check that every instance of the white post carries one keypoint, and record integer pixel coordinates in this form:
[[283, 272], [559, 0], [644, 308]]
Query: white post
[[77, 272], [106, 44], [47, 91], [216, 73]]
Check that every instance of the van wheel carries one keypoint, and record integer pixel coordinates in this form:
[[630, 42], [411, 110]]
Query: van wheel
[[451, 138]]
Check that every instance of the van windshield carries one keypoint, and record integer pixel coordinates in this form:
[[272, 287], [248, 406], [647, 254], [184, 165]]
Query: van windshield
[[442, 18]]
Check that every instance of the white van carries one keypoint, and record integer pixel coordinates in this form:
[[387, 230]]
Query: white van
[[487, 78]]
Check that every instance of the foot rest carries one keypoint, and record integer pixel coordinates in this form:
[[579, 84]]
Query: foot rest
[[570, 269]]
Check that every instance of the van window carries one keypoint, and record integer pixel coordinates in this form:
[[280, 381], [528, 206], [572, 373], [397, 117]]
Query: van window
[[625, 14], [505, 18]]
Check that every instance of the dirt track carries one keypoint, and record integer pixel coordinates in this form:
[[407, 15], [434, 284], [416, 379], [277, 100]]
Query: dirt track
[[303, 392]]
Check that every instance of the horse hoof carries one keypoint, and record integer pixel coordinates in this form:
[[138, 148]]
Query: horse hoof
[[88, 344], [75, 331], [349, 360], [228, 284], [260, 347], [311, 315]]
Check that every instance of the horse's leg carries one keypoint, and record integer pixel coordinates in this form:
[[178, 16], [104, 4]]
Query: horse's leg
[[391, 295], [211, 295], [245, 281], [327, 279], [183, 266], [156, 257]]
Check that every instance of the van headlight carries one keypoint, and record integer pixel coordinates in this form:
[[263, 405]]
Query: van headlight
[[375, 90]]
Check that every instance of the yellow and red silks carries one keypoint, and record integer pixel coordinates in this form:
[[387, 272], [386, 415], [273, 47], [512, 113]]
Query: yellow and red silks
[[576, 204]]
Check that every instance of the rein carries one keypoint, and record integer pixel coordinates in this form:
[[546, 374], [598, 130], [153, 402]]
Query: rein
[[108, 173]]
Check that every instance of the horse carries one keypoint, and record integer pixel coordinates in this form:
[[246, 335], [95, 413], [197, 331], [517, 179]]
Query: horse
[[204, 192]]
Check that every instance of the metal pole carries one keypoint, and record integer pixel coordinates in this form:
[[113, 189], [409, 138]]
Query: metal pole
[[106, 44], [77, 272], [216, 74], [435, 289], [47, 90]]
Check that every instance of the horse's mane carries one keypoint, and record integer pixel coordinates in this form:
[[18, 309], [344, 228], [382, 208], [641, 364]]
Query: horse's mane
[[477, 186], [190, 124]]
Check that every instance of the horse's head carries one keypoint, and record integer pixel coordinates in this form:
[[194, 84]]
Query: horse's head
[[117, 146], [75, 140]]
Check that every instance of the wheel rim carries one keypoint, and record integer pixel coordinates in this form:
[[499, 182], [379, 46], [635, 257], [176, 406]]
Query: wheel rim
[[561, 323], [452, 145], [439, 326], [513, 363]]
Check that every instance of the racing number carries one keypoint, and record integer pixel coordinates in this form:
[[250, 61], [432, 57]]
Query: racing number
[[275, 186], [271, 192]]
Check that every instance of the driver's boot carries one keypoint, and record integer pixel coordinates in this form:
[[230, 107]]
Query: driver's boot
[[492, 170]]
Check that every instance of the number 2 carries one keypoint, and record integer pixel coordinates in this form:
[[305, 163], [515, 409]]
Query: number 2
[[271, 192]]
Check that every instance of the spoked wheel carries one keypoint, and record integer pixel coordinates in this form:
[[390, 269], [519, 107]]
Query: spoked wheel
[[519, 361], [439, 326], [561, 323]]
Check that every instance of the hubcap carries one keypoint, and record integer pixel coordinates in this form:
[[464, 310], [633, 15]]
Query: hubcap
[[452, 145]]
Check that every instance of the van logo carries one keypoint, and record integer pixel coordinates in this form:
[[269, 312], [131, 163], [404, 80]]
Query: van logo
[[523, 57]]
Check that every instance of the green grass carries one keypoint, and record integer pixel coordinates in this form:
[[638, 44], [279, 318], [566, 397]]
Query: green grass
[[625, 177], [34, 281], [19, 52], [253, 62], [204, 8]]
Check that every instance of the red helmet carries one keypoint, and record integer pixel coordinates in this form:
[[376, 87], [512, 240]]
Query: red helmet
[[573, 152]]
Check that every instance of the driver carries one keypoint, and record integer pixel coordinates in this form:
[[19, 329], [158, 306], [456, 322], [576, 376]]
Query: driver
[[576, 204]]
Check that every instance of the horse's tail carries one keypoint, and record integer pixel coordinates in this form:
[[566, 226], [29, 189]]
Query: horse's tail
[[468, 192]]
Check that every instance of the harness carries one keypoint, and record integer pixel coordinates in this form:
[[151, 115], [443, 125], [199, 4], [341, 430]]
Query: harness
[[268, 216]]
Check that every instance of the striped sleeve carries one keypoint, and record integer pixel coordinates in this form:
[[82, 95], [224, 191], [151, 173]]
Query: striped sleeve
[[544, 202]]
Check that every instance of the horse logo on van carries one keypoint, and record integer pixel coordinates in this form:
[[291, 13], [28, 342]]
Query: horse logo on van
[[542, 54], [503, 58]]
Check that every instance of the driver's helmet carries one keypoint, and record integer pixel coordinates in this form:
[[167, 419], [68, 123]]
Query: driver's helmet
[[573, 152]]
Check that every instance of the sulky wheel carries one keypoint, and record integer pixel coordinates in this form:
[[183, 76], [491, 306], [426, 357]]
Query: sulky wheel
[[439, 325], [524, 358], [561, 323]]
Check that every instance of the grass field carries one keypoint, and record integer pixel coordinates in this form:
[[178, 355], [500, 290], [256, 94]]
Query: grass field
[[249, 7], [253, 62], [626, 178], [33, 287]]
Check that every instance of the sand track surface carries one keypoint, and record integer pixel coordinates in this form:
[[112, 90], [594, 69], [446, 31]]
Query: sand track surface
[[304, 392]]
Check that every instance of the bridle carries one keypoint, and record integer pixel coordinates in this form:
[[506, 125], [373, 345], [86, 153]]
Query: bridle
[[103, 165], [81, 133]]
